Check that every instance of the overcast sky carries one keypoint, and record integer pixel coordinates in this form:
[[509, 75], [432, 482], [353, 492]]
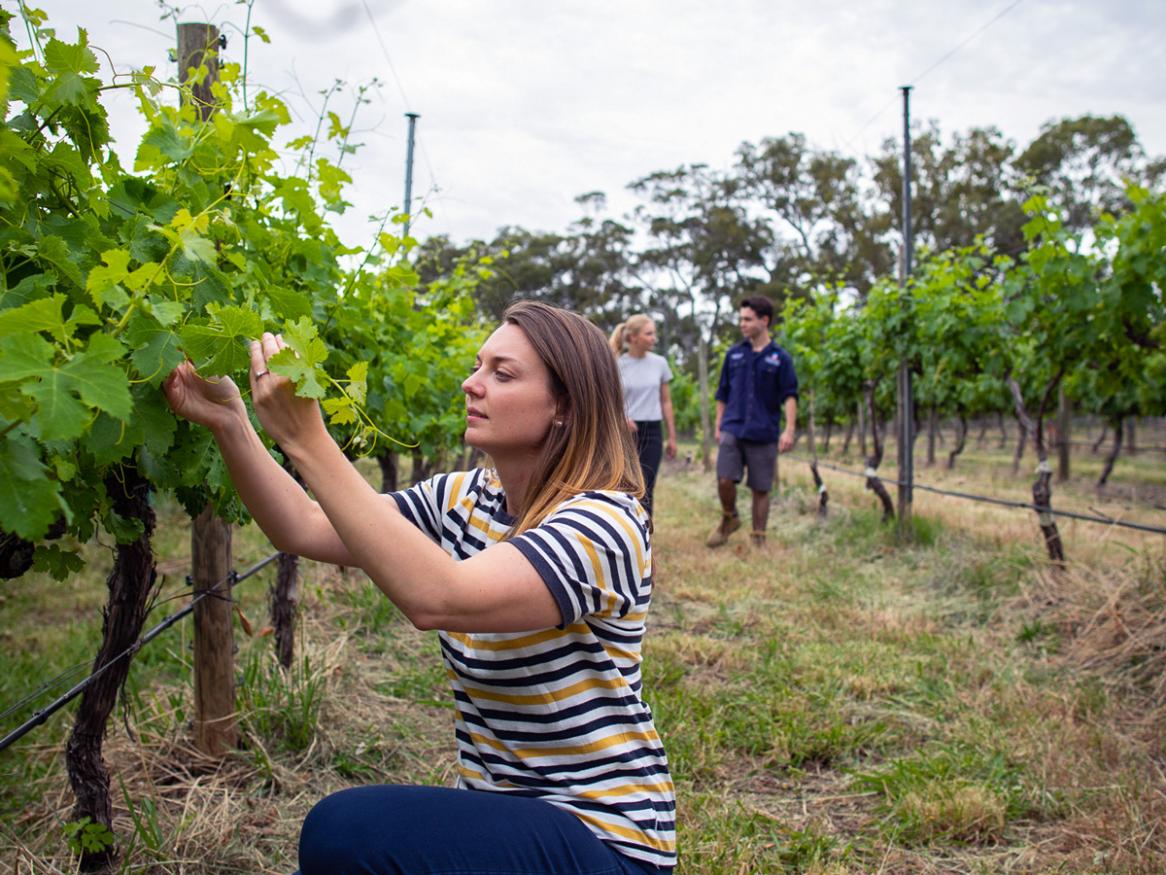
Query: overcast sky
[[524, 105]]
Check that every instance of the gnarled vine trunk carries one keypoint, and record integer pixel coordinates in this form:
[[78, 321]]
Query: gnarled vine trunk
[[285, 601], [1100, 438], [873, 483], [823, 494], [131, 584], [388, 465], [932, 428], [1118, 437], [961, 439], [1042, 489], [1021, 441], [284, 597]]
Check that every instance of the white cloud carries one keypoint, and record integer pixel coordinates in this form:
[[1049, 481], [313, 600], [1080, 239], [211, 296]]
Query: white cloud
[[525, 105]]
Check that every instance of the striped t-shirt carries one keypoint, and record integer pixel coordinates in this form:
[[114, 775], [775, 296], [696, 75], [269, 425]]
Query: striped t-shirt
[[558, 713]]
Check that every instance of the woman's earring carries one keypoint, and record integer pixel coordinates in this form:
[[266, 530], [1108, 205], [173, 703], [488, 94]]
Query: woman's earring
[[558, 422]]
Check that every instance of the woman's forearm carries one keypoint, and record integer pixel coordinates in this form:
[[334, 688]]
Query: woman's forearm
[[284, 511], [416, 574]]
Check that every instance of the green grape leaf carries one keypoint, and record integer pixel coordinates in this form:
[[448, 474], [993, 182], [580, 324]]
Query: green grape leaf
[[29, 502], [104, 282], [163, 141], [59, 416], [109, 440], [25, 356], [58, 563], [155, 349], [63, 57], [289, 304], [166, 312], [331, 181], [100, 383], [8, 60], [220, 346], [357, 388], [39, 315], [9, 187], [31, 288], [125, 529], [69, 88], [302, 361], [23, 86], [56, 252], [186, 231], [340, 411], [157, 423]]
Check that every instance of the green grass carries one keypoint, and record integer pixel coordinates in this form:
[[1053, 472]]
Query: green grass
[[843, 701]]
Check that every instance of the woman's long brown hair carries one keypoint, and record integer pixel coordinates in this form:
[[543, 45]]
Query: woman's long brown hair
[[592, 449]]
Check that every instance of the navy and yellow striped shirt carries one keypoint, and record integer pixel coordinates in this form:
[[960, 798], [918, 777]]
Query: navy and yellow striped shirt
[[558, 713]]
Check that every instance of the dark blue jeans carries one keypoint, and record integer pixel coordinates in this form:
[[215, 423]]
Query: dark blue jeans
[[650, 446], [388, 829]]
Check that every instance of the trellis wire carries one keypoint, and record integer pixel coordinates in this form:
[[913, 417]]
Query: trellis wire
[[41, 716], [1109, 521]]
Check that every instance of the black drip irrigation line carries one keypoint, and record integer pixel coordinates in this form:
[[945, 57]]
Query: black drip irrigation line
[[1109, 521], [41, 716]]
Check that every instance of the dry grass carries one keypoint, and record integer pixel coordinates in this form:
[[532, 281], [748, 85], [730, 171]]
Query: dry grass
[[835, 703]]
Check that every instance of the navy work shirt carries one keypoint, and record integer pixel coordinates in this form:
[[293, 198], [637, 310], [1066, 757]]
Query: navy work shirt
[[753, 386]]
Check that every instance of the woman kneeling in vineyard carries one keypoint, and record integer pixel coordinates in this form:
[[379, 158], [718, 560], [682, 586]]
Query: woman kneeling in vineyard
[[536, 574]]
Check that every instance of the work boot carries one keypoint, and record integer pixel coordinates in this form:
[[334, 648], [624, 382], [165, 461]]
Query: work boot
[[757, 539], [729, 523]]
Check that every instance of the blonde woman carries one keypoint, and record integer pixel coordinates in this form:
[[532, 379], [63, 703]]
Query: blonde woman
[[535, 574], [647, 402]]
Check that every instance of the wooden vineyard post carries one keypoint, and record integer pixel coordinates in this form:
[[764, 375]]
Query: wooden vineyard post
[[215, 729], [198, 45]]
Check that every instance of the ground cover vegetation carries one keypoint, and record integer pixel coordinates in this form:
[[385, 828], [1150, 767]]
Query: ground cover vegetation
[[843, 703], [836, 703]]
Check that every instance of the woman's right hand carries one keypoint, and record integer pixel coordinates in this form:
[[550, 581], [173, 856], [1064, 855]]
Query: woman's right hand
[[212, 403]]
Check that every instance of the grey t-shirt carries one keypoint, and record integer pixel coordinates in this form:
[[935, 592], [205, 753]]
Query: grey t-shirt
[[642, 378]]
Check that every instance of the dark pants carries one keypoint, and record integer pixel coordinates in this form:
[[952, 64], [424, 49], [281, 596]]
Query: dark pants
[[650, 445], [389, 829]]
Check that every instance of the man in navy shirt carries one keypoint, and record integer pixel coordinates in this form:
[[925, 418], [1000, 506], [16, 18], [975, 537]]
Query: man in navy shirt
[[758, 382]]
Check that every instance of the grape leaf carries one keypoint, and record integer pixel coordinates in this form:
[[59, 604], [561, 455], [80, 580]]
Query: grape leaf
[[220, 346], [29, 502]]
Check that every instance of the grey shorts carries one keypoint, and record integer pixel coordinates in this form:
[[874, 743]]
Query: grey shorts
[[735, 455]]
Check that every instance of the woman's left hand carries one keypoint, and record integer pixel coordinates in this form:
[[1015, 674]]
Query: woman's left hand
[[671, 448], [287, 418]]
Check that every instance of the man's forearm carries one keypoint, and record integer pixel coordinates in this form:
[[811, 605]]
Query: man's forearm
[[791, 414]]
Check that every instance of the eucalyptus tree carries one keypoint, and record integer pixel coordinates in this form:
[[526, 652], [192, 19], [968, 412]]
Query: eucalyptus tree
[[704, 250], [1085, 163], [960, 191], [596, 279], [526, 264], [822, 230]]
